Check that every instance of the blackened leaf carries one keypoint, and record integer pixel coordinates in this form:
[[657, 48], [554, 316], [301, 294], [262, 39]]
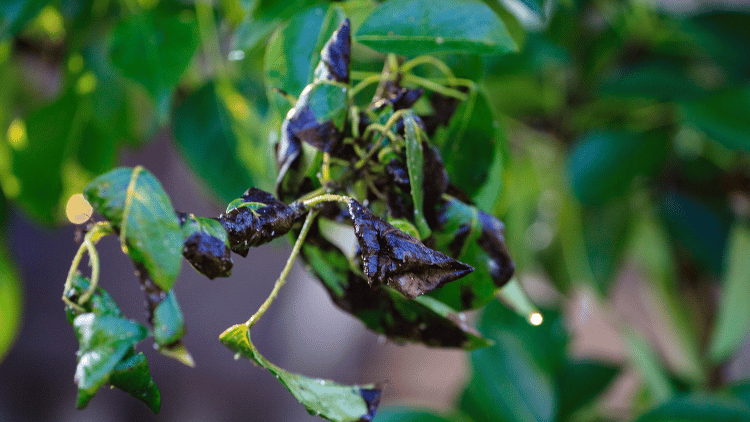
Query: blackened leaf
[[580, 382], [136, 204], [154, 48], [104, 340], [294, 50], [434, 182], [324, 398], [319, 116], [385, 311], [478, 239], [416, 27], [132, 376], [414, 163], [335, 56], [206, 246], [257, 218], [392, 257], [203, 134]]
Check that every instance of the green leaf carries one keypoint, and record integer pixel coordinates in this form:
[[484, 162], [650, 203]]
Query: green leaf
[[104, 341], [294, 50], [602, 164], [154, 49], [414, 163], [723, 116], [416, 27], [100, 303], [264, 19], [579, 383], [467, 146], [135, 203], [38, 163], [132, 376], [399, 414], [733, 321], [324, 398], [699, 407], [605, 229], [206, 225], [10, 301], [203, 134], [169, 325], [14, 15]]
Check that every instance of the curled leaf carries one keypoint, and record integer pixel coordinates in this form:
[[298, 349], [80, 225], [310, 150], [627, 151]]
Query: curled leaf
[[206, 245], [392, 257], [390, 92], [335, 56], [325, 398], [132, 376], [318, 117], [257, 218]]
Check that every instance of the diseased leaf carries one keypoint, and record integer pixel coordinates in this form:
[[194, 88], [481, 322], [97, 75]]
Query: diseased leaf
[[137, 206], [317, 118], [393, 257], [257, 218], [206, 245], [203, 135], [416, 27], [415, 165], [132, 376], [733, 319], [325, 398], [384, 310], [154, 48], [335, 56], [472, 236]]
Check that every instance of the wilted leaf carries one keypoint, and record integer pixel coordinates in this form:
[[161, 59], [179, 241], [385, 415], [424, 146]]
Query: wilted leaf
[[330, 400], [318, 117], [206, 245], [257, 218], [335, 56], [416, 27], [136, 205], [393, 257]]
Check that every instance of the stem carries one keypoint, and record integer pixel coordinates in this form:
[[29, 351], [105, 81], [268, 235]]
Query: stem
[[328, 197], [129, 193], [97, 232], [382, 129], [433, 86], [442, 67], [285, 272], [364, 84], [357, 75]]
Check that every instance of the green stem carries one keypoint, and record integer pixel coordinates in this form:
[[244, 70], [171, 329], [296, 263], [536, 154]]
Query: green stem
[[357, 75], [433, 86], [364, 84], [88, 245], [129, 193], [328, 197], [285, 272], [417, 61]]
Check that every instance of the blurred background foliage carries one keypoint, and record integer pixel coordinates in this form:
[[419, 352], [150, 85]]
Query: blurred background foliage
[[624, 178]]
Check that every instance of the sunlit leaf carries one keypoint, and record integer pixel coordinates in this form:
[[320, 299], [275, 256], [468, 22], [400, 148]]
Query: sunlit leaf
[[325, 398]]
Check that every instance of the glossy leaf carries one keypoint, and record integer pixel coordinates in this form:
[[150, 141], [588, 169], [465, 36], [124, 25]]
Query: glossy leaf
[[325, 398], [154, 48], [723, 116], [335, 56], [203, 134], [399, 260], [478, 239], [104, 341], [699, 407], [416, 27], [132, 376], [733, 320], [318, 117], [385, 311], [294, 50], [579, 383], [14, 15], [415, 166], [206, 245], [169, 325], [136, 204], [10, 301]]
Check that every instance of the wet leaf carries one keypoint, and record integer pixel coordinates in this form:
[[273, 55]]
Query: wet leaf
[[415, 163], [385, 311], [335, 56], [324, 398], [392, 257], [318, 117], [139, 49], [203, 135], [206, 245], [169, 325], [104, 341], [416, 27], [474, 237], [137, 206], [100, 303], [257, 218], [132, 376]]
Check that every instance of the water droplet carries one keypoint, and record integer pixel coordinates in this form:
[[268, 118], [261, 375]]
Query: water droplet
[[462, 316], [439, 40], [382, 339], [235, 55], [322, 382]]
